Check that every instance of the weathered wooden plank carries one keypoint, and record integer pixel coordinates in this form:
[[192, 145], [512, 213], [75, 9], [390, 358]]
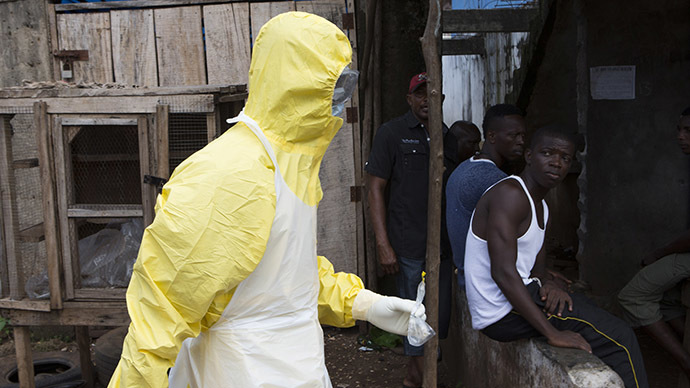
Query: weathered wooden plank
[[25, 304], [180, 50], [121, 105], [221, 90], [88, 31], [331, 10], [162, 145], [84, 345], [57, 137], [227, 43], [471, 46], [101, 293], [263, 12], [102, 211], [134, 47], [10, 220], [132, 4], [488, 20], [25, 364], [101, 313], [147, 191], [98, 121]]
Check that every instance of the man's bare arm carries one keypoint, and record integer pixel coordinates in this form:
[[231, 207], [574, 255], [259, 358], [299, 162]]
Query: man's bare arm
[[507, 209], [377, 210], [679, 245]]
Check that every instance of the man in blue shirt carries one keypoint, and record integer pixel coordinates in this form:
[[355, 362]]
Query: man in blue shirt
[[504, 139]]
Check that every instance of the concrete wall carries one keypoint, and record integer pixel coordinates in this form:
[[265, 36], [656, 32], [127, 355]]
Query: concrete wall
[[478, 361], [25, 47], [637, 178]]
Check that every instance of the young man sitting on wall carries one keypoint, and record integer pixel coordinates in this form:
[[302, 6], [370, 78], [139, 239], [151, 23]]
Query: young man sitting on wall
[[509, 293], [651, 300]]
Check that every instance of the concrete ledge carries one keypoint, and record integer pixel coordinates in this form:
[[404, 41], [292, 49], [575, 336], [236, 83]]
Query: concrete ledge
[[478, 361]]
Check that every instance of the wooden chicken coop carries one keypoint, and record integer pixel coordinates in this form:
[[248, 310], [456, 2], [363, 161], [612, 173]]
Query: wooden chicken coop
[[74, 162]]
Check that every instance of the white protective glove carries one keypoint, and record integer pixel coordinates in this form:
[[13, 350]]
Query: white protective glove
[[389, 313]]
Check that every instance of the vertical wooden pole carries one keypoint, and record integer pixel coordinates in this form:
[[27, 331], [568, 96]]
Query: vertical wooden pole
[[84, 345], [162, 113], [147, 190], [430, 48], [9, 211], [45, 159], [365, 77], [25, 363]]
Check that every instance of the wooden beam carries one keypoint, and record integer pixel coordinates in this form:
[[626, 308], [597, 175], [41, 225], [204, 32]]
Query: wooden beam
[[147, 191], [113, 104], [471, 46], [25, 363], [133, 4], [222, 90], [488, 20], [56, 145], [84, 345], [100, 293], [25, 304], [102, 313], [100, 121], [105, 211], [432, 57], [162, 114]]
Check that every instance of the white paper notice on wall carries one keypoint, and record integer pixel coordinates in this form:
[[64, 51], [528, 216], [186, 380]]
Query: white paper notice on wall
[[612, 82]]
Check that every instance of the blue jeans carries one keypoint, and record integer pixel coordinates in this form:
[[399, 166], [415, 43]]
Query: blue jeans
[[408, 279]]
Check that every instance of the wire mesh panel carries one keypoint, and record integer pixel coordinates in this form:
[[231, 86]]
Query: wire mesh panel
[[105, 164], [102, 201], [27, 201], [187, 133]]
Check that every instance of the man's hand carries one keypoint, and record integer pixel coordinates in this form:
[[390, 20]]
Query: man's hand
[[554, 298], [388, 259], [568, 339], [562, 281]]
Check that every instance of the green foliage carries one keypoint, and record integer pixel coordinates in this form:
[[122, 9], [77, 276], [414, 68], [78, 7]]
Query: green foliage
[[383, 338], [5, 330]]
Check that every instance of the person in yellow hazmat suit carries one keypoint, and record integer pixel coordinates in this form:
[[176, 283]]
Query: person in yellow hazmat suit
[[227, 290]]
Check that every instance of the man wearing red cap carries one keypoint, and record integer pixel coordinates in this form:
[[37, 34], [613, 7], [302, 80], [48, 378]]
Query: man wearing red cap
[[399, 160]]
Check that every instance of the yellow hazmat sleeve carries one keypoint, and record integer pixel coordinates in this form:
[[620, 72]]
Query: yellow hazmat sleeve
[[337, 292], [212, 224]]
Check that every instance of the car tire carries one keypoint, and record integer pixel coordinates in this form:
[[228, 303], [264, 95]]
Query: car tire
[[107, 353], [50, 369]]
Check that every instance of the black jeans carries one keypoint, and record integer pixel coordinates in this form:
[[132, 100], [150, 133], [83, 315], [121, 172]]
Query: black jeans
[[611, 339]]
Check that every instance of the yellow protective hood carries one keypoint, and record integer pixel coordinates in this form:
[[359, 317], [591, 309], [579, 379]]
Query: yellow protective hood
[[296, 62]]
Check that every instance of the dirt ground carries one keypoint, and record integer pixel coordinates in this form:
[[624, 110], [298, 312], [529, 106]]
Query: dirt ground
[[350, 367]]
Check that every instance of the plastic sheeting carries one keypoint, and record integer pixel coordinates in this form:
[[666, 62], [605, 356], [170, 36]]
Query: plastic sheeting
[[106, 259]]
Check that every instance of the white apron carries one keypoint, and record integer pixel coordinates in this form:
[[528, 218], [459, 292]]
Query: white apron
[[269, 334]]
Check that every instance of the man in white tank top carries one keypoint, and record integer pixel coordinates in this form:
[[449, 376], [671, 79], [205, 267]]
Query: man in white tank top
[[509, 291]]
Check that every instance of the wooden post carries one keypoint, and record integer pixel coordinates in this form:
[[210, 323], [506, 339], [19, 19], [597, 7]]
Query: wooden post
[[147, 191], [41, 123], [84, 345], [162, 113], [430, 47], [25, 363]]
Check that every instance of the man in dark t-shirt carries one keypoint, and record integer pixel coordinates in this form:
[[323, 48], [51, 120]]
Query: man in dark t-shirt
[[399, 160]]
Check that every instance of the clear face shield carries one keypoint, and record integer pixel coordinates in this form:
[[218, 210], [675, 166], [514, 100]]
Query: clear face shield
[[344, 88]]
